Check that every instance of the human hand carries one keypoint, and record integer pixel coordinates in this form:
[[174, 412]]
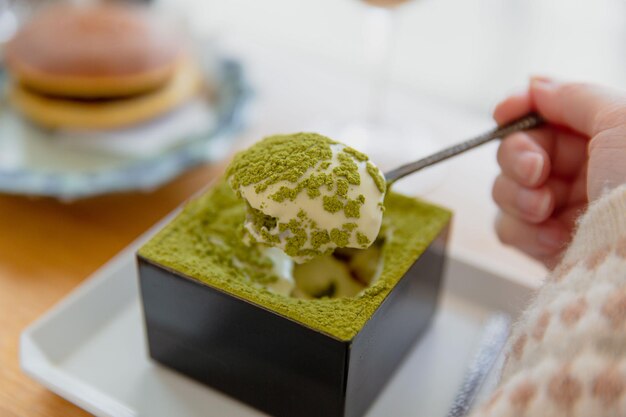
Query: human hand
[[550, 174]]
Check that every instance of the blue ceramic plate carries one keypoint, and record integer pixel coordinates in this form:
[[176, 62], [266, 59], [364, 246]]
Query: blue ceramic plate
[[38, 162]]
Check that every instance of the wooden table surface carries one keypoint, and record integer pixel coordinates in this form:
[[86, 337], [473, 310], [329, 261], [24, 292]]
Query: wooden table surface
[[46, 249]]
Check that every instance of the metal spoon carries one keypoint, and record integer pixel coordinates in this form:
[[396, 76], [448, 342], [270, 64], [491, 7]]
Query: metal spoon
[[527, 122]]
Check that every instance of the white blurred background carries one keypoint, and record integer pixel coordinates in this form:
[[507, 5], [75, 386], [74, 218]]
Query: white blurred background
[[469, 52]]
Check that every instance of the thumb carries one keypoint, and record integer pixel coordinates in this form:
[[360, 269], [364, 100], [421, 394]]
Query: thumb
[[588, 109]]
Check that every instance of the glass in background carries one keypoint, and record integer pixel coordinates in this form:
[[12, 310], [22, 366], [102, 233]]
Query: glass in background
[[388, 141]]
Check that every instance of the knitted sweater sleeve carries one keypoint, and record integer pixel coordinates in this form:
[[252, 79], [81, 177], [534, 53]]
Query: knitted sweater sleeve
[[566, 356]]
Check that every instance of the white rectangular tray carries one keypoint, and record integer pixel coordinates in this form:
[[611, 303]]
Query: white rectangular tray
[[91, 349]]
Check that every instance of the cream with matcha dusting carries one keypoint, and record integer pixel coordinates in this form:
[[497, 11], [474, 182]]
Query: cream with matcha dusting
[[308, 195]]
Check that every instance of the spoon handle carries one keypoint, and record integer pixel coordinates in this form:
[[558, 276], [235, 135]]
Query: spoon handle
[[527, 122]]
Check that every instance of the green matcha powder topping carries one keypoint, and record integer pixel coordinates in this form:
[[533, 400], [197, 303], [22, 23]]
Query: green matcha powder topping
[[278, 158], [380, 182]]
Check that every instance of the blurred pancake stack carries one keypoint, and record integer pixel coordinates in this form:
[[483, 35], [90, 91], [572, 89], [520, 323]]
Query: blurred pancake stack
[[98, 66]]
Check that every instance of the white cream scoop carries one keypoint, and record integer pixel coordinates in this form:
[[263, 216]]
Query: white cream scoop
[[308, 195]]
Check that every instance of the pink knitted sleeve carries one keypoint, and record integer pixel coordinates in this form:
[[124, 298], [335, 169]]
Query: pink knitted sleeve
[[567, 354]]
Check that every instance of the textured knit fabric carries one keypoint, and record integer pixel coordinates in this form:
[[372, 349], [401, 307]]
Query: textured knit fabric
[[567, 354]]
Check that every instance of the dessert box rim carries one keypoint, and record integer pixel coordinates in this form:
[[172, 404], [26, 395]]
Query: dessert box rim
[[443, 222]]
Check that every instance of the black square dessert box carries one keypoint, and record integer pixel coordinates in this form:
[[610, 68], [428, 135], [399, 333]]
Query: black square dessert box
[[274, 363], [207, 319]]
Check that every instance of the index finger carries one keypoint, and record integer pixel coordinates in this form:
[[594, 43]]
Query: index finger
[[513, 107], [585, 108]]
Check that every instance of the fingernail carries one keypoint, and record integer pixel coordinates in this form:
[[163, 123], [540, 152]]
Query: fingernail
[[534, 203], [543, 83], [552, 238], [529, 167], [540, 78]]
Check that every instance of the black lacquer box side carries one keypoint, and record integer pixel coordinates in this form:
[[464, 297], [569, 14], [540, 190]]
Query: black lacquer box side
[[252, 354], [395, 327]]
